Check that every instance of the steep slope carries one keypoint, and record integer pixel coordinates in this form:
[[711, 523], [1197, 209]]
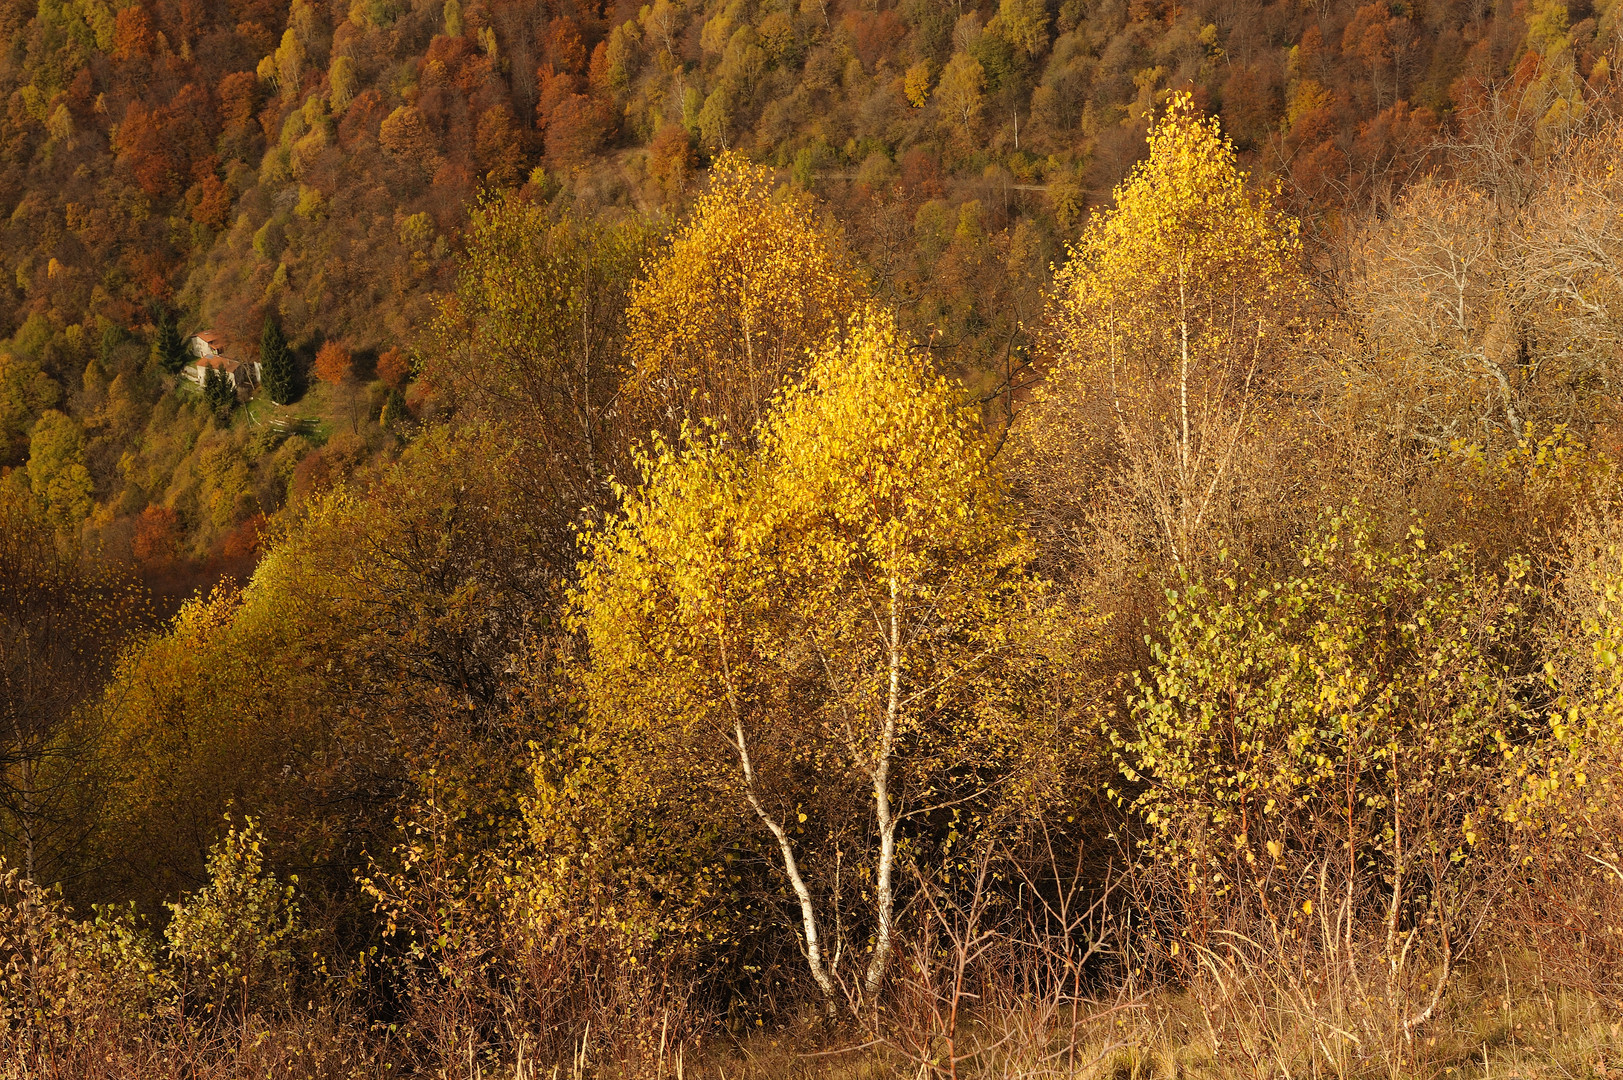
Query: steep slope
[[317, 162]]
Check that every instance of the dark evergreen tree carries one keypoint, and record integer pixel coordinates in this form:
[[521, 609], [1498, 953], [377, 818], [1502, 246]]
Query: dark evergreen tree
[[394, 410], [112, 336], [218, 393], [276, 371], [168, 347]]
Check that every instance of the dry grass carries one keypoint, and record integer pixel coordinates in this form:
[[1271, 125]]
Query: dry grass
[[1542, 1035], [1504, 1024]]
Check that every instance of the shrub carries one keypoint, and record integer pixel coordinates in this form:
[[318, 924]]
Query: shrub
[[1317, 762], [236, 940]]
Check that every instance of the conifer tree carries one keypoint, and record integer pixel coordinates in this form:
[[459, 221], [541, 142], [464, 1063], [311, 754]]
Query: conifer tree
[[112, 336], [168, 348], [276, 364], [218, 393]]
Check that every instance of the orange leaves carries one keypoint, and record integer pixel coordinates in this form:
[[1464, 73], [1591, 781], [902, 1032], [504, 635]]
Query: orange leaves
[[394, 367], [239, 96], [167, 146], [404, 133], [671, 159], [157, 532], [212, 205], [140, 144], [333, 363], [565, 49], [133, 36], [498, 146], [575, 127]]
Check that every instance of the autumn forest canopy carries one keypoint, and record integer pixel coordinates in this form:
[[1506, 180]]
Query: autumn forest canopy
[[1075, 539]]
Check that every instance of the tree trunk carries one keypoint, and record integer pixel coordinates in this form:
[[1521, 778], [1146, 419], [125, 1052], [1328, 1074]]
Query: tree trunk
[[791, 867], [884, 888]]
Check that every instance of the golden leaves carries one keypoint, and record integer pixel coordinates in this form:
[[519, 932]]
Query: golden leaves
[[1171, 326], [725, 313], [739, 588]]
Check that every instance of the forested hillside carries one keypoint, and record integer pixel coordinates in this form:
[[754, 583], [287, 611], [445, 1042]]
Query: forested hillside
[[219, 164], [1016, 540]]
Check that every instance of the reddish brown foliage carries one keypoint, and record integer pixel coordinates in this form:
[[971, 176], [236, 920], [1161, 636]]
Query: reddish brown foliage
[[156, 533], [245, 539], [564, 46], [497, 145], [212, 205], [575, 131], [165, 147], [393, 367], [671, 158], [362, 119], [334, 365], [133, 36], [921, 174], [873, 35], [239, 97], [406, 134], [1251, 104]]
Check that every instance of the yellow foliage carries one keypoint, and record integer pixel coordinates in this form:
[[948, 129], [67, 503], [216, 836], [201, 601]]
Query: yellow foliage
[[1570, 779], [1171, 327], [725, 313], [817, 628], [916, 84], [960, 94]]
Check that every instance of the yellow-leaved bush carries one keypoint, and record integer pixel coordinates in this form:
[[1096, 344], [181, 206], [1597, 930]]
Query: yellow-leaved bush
[[238, 940], [1315, 756], [1564, 801]]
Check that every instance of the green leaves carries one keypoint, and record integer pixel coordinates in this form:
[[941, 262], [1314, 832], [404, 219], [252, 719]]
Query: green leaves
[[167, 346], [276, 369], [1313, 712]]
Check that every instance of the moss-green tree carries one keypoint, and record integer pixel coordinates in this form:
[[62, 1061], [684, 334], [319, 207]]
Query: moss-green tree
[[26, 391], [237, 937], [218, 393], [168, 348], [57, 472], [276, 371], [63, 619]]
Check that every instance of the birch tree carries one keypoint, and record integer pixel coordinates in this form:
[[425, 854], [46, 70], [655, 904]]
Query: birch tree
[[1490, 305], [1171, 329]]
